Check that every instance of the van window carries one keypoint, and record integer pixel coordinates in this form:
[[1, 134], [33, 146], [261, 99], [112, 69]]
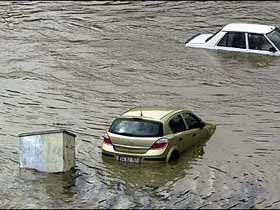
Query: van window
[[233, 39]]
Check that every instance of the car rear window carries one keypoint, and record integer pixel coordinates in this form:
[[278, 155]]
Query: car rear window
[[136, 127], [212, 36]]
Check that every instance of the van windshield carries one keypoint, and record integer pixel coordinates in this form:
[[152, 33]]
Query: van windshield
[[274, 36], [136, 127]]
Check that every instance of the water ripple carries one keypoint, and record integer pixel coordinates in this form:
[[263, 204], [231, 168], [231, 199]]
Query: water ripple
[[77, 65]]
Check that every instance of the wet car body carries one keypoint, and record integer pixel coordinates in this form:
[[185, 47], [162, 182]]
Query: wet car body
[[154, 134], [240, 37]]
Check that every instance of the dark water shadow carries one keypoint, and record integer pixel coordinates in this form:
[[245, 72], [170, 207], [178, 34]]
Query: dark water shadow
[[248, 59], [58, 186], [232, 59]]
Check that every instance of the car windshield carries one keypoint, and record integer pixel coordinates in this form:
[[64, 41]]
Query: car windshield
[[274, 36], [136, 127]]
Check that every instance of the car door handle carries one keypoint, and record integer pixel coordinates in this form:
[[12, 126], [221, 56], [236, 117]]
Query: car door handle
[[194, 135], [180, 139]]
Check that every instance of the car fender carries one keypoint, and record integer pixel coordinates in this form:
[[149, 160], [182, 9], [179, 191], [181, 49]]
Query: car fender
[[173, 148]]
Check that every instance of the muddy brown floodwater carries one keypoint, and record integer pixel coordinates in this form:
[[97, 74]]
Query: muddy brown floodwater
[[77, 65]]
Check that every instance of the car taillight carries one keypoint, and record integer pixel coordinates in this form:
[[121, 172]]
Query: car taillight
[[159, 144], [107, 139]]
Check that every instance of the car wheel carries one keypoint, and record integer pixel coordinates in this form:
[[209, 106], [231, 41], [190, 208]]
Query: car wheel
[[174, 156]]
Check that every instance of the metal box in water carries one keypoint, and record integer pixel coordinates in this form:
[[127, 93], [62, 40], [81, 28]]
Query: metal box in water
[[47, 151]]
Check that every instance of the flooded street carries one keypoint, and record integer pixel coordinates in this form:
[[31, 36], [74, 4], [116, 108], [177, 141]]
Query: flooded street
[[77, 65]]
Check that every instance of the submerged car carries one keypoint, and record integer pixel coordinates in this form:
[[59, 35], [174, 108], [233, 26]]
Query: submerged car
[[241, 37], [154, 134]]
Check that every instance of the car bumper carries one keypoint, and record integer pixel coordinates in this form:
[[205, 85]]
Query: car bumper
[[150, 155]]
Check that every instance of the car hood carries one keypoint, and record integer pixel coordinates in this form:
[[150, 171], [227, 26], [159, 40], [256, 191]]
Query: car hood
[[198, 39]]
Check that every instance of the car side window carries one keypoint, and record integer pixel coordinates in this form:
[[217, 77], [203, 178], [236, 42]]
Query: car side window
[[274, 36], [191, 120], [233, 39], [177, 124], [258, 42]]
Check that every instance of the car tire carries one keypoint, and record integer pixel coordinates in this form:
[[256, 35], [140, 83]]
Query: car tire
[[174, 156]]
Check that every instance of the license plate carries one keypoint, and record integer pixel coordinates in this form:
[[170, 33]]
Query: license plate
[[128, 159]]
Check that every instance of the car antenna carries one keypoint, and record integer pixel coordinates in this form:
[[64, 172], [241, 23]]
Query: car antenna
[[141, 114]]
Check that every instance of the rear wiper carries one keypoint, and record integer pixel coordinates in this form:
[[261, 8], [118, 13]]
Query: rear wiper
[[137, 118], [125, 134]]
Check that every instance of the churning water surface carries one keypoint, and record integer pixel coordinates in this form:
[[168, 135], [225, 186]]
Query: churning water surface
[[77, 65]]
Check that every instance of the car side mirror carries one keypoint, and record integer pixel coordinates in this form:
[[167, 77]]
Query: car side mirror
[[202, 125], [272, 49]]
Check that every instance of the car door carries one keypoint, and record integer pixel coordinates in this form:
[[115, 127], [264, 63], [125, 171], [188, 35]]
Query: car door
[[178, 127], [233, 41], [195, 131], [258, 43]]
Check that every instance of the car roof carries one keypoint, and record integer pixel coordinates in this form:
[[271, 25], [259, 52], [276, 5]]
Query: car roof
[[152, 112], [248, 27]]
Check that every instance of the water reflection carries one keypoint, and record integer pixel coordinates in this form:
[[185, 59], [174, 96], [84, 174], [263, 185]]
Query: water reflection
[[153, 175], [244, 59], [58, 186], [233, 59]]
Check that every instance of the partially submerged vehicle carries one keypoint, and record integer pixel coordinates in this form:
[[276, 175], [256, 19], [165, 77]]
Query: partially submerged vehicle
[[240, 37], [154, 134]]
